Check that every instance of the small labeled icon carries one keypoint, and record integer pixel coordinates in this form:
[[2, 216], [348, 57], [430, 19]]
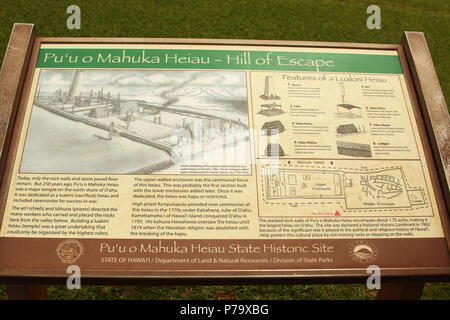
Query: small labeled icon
[[269, 90]]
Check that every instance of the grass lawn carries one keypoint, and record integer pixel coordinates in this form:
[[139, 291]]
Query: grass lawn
[[315, 20], [268, 292]]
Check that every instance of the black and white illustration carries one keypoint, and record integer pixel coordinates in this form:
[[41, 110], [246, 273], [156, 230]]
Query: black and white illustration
[[384, 188], [274, 150], [354, 149], [271, 128], [350, 129], [345, 109], [137, 122], [270, 109], [349, 111], [270, 93]]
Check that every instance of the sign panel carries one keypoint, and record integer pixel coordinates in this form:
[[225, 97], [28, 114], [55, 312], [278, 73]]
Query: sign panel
[[205, 158]]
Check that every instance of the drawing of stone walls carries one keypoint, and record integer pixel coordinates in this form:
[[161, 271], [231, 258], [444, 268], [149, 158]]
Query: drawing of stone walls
[[371, 189], [354, 149]]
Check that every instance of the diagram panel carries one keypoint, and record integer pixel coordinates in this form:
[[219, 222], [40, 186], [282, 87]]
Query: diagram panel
[[359, 190]]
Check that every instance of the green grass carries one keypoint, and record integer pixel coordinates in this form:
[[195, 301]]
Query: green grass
[[314, 20], [269, 292]]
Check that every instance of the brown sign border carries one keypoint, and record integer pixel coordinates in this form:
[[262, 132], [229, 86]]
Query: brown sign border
[[429, 108]]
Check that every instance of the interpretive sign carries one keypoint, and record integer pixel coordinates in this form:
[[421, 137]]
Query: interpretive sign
[[213, 159]]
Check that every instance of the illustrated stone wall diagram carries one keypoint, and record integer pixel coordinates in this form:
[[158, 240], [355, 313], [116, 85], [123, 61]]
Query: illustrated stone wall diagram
[[354, 190]]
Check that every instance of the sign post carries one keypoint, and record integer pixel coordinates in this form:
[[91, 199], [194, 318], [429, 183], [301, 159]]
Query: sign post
[[182, 161]]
